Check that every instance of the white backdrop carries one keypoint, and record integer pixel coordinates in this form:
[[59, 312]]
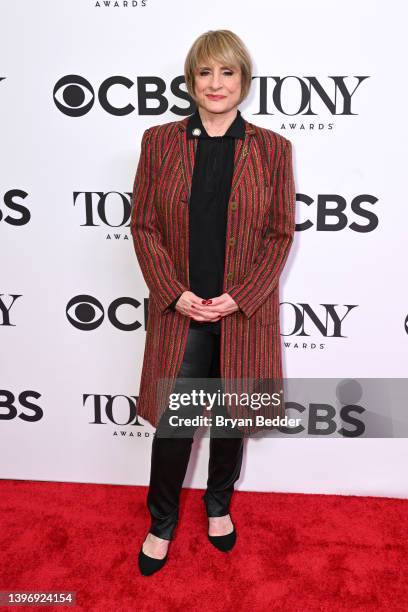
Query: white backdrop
[[67, 170]]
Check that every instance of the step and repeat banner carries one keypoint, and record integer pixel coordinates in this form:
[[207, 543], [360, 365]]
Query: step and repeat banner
[[80, 81]]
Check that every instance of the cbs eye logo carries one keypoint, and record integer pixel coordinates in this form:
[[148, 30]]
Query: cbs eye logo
[[86, 313], [73, 95]]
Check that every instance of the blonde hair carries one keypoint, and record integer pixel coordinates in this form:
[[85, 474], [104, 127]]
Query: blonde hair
[[223, 46]]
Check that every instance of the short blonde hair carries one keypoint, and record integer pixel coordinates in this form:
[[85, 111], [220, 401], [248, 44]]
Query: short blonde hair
[[223, 46]]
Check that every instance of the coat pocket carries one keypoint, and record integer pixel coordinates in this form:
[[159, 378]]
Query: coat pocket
[[268, 312], [254, 202], [263, 196]]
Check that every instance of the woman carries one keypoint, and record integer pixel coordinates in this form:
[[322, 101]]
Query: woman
[[213, 221]]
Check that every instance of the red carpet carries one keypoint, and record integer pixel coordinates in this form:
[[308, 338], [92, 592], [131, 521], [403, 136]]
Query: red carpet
[[294, 552]]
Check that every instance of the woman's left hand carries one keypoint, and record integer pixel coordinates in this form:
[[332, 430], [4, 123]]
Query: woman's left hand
[[223, 303]]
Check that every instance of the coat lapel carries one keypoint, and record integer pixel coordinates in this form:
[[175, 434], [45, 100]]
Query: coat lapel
[[188, 148]]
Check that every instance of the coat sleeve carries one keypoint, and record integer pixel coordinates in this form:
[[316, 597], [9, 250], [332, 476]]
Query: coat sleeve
[[173, 304], [154, 260], [278, 236]]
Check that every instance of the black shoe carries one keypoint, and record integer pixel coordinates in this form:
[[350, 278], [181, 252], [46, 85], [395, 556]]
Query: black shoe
[[224, 542], [149, 565]]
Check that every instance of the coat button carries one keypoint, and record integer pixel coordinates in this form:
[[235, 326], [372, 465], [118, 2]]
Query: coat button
[[233, 205], [230, 275], [231, 241]]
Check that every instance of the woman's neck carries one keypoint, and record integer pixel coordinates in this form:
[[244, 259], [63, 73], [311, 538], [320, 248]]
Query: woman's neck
[[216, 124]]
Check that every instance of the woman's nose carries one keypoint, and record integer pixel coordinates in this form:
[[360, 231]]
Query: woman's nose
[[215, 81]]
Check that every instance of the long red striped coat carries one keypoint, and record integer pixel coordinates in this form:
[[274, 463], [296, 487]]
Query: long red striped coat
[[260, 231]]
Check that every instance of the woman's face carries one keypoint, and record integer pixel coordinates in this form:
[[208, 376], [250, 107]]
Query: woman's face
[[217, 87]]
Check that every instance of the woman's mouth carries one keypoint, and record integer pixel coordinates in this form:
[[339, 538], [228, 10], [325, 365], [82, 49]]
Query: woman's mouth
[[214, 97]]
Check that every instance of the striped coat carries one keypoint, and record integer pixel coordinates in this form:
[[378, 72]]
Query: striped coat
[[260, 231]]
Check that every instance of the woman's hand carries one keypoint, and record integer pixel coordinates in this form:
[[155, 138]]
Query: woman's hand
[[190, 305]]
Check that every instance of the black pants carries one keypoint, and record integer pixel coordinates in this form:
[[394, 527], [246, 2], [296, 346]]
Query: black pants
[[171, 448]]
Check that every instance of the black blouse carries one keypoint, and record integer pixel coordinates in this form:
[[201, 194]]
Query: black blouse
[[210, 193]]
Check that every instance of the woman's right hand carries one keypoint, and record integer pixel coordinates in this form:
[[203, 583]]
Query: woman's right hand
[[190, 305]]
